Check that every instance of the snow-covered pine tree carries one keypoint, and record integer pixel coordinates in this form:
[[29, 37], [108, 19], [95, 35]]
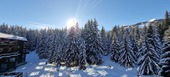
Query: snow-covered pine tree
[[82, 52], [51, 46], [42, 47], [103, 41], [134, 41], [71, 48], [108, 43], [19, 31], [116, 44], [92, 41], [127, 57], [81, 47], [167, 34], [156, 40], [148, 60], [165, 58], [31, 36], [166, 21], [75, 49], [40, 35], [4, 28], [11, 29], [164, 26], [115, 50], [60, 45], [57, 56], [138, 33]]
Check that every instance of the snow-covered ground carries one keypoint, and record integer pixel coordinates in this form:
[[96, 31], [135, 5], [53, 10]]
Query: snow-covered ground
[[38, 68]]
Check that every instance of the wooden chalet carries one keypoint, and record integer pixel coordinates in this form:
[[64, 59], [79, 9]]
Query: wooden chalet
[[12, 52]]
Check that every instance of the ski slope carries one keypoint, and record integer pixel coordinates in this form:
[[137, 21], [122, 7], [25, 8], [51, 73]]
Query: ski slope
[[38, 68]]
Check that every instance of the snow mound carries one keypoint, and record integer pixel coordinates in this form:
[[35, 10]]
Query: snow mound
[[75, 75]]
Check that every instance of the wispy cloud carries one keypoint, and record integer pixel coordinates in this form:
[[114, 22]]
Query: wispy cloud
[[40, 25]]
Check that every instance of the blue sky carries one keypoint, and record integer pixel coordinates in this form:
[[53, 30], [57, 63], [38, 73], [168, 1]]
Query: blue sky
[[36, 14]]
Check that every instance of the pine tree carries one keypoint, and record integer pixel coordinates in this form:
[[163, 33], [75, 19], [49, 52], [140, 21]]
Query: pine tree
[[160, 31], [75, 49], [134, 40], [104, 41], [82, 52], [166, 21], [116, 44], [4, 28], [165, 60], [156, 40], [42, 47], [114, 29], [108, 43], [80, 42], [148, 60], [127, 57], [60, 46], [137, 33], [32, 36], [71, 48], [92, 41], [164, 26], [53, 53], [51, 46], [167, 34]]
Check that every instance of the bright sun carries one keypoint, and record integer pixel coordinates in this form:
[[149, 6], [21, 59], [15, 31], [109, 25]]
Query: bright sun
[[71, 22]]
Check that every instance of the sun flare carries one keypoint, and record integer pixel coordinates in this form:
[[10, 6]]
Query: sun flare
[[71, 22]]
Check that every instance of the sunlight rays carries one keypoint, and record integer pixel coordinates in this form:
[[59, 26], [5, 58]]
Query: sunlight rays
[[71, 23]]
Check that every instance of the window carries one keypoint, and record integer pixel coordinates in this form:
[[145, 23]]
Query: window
[[12, 59]]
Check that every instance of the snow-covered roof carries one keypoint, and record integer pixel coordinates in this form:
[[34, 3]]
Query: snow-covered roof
[[13, 37]]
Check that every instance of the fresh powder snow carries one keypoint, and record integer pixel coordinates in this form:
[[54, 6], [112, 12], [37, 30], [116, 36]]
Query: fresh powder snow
[[36, 67]]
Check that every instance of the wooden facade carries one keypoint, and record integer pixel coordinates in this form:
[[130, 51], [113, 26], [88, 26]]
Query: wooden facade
[[12, 52]]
